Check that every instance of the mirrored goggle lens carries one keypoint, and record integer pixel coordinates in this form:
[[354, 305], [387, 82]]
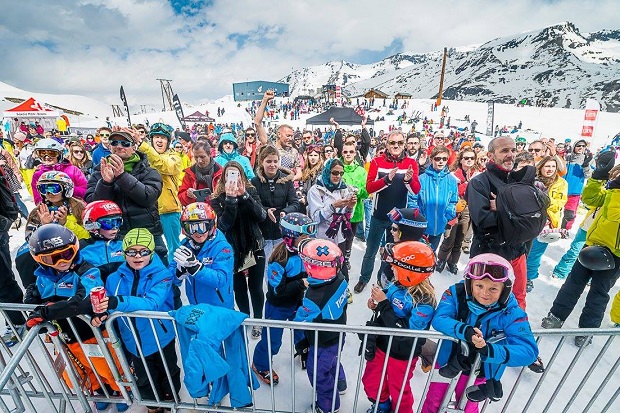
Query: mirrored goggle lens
[[56, 257], [110, 223], [496, 272], [141, 253], [161, 127], [44, 153], [50, 188], [199, 227]]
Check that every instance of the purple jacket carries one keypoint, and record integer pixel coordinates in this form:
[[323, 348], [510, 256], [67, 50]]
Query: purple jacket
[[76, 175]]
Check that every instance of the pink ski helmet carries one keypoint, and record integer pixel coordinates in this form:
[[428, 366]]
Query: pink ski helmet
[[322, 258]]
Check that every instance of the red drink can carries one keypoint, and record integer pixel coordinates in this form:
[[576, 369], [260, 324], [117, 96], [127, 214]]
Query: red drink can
[[96, 295]]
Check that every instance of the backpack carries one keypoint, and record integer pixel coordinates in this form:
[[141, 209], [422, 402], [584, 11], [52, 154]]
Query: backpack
[[521, 208], [8, 204]]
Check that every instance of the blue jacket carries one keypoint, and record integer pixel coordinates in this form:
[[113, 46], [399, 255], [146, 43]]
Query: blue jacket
[[213, 284], [437, 199], [149, 289], [105, 255], [207, 366], [576, 174], [285, 285], [98, 153], [223, 158], [518, 349]]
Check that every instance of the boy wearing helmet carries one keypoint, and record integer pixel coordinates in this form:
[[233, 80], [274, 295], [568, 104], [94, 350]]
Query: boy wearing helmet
[[325, 301], [204, 259], [474, 311], [103, 219], [408, 303], [62, 287], [143, 283], [50, 153], [286, 283]]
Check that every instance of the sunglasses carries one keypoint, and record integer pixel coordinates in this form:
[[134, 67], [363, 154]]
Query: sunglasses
[[78, 151], [178, 147], [580, 146], [42, 153], [59, 256], [123, 143], [495, 271], [468, 158], [440, 158], [141, 131], [49, 188], [105, 135], [413, 143], [520, 144], [534, 150], [396, 143], [483, 159], [250, 135], [135, 253], [198, 227], [336, 173], [109, 223], [348, 152], [328, 151], [394, 228]]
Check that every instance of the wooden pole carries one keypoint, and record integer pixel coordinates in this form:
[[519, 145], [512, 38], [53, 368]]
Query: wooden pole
[[443, 72]]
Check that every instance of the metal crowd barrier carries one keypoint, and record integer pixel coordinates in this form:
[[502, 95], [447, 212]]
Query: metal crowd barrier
[[575, 379]]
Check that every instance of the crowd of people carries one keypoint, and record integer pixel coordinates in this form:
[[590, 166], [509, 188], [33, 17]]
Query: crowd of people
[[282, 209]]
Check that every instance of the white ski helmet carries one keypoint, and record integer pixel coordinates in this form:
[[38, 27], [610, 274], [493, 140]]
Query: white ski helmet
[[49, 144]]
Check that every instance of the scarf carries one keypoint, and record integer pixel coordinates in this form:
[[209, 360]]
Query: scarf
[[326, 180], [130, 163], [252, 155], [204, 176]]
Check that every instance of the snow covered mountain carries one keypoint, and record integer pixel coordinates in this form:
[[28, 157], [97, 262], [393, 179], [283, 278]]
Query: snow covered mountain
[[557, 64]]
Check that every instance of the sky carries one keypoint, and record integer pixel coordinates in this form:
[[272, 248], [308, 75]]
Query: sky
[[91, 47]]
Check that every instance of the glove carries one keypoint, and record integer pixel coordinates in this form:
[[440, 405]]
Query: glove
[[586, 160], [186, 258], [33, 319], [469, 333], [604, 162], [453, 221]]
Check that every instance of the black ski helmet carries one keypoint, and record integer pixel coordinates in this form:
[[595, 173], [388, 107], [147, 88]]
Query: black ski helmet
[[597, 258], [411, 223], [51, 237]]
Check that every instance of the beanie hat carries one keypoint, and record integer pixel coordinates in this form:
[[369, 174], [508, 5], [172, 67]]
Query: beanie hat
[[20, 136], [139, 236], [183, 135]]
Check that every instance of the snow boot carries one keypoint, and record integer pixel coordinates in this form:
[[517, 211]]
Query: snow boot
[[581, 341], [491, 390], [551, 321], [440, 266], [453, 269], [537, 366], [384, 407]]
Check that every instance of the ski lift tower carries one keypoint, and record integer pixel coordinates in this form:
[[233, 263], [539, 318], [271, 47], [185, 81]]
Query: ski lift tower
[[166, 93]]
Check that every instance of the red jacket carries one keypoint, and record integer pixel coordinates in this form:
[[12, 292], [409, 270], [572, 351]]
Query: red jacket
[[189, 181], [393, 195]]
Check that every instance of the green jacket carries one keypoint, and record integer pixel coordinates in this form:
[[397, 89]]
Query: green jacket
[[605, 229], [355, 175]]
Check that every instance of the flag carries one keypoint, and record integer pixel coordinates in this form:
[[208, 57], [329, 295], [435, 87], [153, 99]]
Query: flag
[[176, 104], [490, 117], [589, 118], [124, 99]]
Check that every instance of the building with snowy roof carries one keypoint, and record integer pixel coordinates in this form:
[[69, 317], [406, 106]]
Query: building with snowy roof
[[255, 90]]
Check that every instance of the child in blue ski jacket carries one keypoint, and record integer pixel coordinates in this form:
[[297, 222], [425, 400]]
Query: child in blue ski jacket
[[285, 290], [476, 311], [143, 283], [325, 301], [103, 219], [205, 259]]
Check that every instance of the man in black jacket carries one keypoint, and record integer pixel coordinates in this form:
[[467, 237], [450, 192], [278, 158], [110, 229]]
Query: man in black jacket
[[126, 178]]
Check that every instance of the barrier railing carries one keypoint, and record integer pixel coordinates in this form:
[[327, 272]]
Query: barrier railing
[[31, 376]]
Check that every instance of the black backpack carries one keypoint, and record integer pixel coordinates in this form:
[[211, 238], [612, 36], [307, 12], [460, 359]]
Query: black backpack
[[521, 207], [8, 204]]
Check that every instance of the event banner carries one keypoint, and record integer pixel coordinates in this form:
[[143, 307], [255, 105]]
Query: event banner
[[176, 104], [124, 99], [490, 117], [589, 119]]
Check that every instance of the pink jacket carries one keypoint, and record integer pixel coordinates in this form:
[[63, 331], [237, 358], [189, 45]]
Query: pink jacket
[[76, 175]]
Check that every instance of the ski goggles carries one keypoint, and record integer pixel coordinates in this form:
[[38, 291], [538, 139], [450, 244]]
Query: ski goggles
[[59, 256], [495, 271], [161, 129], [396, 217], [198, 227], [49, 188], [109, 223], [42, 153], [309, 229], [135, 253]]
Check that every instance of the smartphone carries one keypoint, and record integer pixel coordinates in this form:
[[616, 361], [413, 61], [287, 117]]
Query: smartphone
[[232, 175], [202, 194]]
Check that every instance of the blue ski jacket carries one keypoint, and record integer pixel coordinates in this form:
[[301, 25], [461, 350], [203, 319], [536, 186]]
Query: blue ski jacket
[[212, 370], [437, 199], [518, 349], [105, 255], [149, 289], [285, 287], [213, 284]]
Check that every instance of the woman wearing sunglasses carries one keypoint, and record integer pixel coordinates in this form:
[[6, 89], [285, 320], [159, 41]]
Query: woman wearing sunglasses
[[438, 195], [313, 166], [330, 203], [503, 339], [78, 156]]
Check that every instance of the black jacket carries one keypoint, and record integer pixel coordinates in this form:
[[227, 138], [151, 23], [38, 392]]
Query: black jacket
[[135, 192], [486, 222], [238, 218], [283, 198]]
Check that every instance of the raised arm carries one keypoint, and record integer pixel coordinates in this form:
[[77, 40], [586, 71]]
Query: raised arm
[[260, 113]]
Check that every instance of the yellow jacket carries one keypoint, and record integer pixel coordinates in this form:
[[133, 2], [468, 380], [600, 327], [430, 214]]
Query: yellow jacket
[[168, 164], [558, 195], [186, 162], [76, 228], [606, 226]]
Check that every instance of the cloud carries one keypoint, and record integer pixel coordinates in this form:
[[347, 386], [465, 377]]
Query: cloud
[[90, 47]]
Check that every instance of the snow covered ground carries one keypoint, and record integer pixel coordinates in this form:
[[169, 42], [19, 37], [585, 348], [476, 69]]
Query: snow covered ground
[[559, 123]]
